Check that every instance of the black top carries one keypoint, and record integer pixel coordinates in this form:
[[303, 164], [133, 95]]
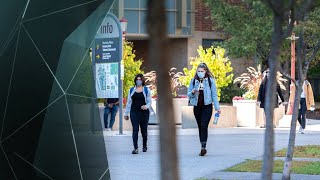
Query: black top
[[112, 100], [263, 91], [138, 100], [201, 95]]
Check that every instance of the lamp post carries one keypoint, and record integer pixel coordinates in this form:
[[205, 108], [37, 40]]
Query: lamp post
[[123, 23], [293, 39]]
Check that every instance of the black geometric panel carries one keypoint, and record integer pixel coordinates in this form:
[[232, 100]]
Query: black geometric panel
[[6, 64], [85, 119], [56, 154], [38, 9], [46, 56], [28, 79], [10, 16]]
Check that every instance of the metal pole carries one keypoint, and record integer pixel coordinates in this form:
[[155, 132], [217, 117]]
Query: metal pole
[[121, 88]]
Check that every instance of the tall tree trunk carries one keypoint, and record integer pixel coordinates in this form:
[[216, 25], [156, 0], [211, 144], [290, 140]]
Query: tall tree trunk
[[161, 61], [271, 98]]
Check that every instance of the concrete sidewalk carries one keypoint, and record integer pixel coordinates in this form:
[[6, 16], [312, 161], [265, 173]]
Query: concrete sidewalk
[[226, 147]]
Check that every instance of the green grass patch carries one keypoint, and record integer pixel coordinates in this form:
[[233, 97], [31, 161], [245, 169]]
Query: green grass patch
[[298, 167], [308, 151]]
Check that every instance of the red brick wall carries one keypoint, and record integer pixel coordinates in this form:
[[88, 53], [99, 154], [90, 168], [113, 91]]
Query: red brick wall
[[202, 17], [203, 20]]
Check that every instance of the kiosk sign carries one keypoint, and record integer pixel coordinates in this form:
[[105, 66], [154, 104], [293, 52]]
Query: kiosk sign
[[107, 53]]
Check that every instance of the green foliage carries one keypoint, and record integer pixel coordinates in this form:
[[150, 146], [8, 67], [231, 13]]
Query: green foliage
[[307, 151], [298, 167], [228, 92], [131, 67], [219, 65], [248, 26]]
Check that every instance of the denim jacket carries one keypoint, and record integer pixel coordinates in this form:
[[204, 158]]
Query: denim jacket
[[146, 97], [210, 95]]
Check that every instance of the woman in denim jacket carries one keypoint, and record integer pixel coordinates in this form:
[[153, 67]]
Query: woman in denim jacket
[[138, 105], [202, 94]]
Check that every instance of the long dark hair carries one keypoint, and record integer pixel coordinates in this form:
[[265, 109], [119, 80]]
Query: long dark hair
[[142, 79], [205, 67]]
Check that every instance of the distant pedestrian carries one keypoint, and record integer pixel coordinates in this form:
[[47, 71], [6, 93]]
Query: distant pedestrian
[[306, 103], [111, 106], [138, 105], [202, 93], [262, 96]]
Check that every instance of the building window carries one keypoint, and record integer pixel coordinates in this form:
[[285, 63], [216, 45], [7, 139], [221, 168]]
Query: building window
[[207, 43], [136, 13]]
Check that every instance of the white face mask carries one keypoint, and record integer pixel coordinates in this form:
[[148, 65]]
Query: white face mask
[[201, 74]]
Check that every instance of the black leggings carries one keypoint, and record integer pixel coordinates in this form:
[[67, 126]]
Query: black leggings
[[140, 118], [203, 115], [302, 112]]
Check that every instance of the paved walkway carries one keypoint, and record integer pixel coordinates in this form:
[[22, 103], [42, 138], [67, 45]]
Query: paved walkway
[[226, 147]]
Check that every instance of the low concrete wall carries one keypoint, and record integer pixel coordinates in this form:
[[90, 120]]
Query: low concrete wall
[[127, 126], [228, 117], [278, 113]]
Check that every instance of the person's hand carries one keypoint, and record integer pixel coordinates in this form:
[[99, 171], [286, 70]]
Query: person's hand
[[126, 118], [110, 105], [194, 91], [144, 107], [219, 111], [312, 108], [258, 103]]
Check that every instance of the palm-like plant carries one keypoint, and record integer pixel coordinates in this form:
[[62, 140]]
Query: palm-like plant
[[151, 81], [252, 79]]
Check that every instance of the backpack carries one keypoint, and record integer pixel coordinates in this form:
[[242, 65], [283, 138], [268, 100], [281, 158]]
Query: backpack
[[145, 89]]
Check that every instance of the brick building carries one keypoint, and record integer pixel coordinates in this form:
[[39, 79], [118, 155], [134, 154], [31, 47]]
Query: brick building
[[188, 25]]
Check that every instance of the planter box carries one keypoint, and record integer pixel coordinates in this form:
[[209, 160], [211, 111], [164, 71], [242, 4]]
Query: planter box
[[246, 112], [177, 103], [227, 118], [278, 115]]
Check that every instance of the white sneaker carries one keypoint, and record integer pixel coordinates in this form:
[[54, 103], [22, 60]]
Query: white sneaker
[[109, 129], [302, 131]]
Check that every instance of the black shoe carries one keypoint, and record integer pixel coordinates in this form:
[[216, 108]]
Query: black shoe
[[263, 126], [135, 151], [144, 149], [203, 152]]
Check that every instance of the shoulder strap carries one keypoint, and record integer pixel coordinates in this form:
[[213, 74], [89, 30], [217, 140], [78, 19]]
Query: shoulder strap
[[131, 89], [145, 88], [194, 81]]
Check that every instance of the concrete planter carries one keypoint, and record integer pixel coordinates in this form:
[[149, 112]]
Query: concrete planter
[[178, 103], [227, 118], [246, 112]]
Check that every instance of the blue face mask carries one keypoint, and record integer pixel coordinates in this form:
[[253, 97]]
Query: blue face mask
[[138, 82], [201, 74]]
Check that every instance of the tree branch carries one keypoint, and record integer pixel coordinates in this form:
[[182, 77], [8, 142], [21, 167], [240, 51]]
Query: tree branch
[[271, 6], [285, 74], [292, 20], [312, 57]]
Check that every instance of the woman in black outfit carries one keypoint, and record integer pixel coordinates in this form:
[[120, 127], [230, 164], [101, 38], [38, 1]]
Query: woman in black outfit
[[138, 104]]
